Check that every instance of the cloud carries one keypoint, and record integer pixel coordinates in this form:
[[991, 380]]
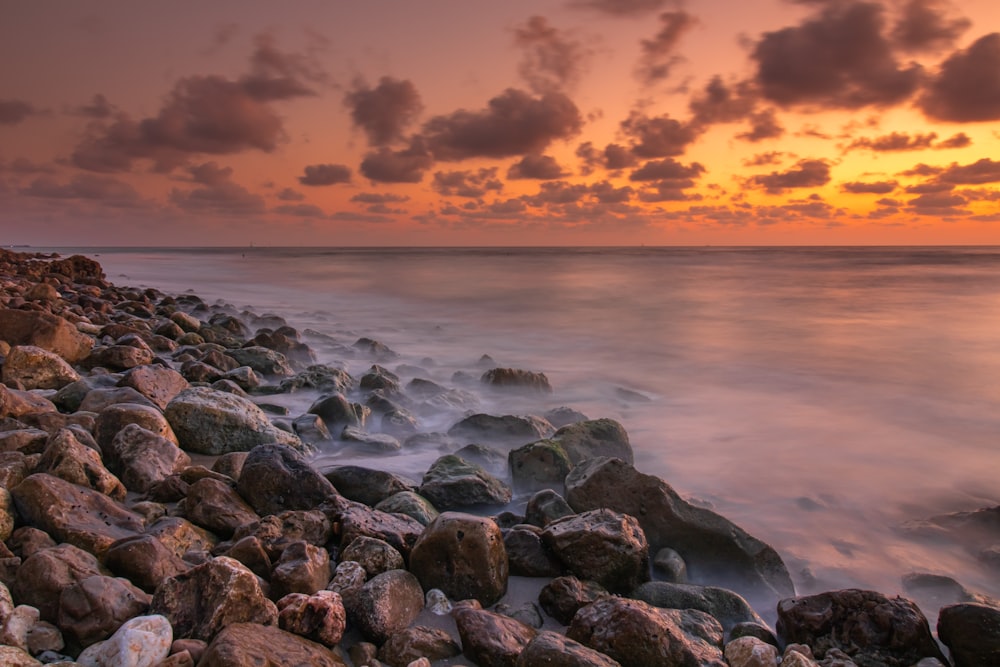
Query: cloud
[[966, 89], [514, 123], [722, 103], [977, 173], [22, 165], [660, 136], [398, 166], [939, 204], [805, 174], [470, 184], [13, 112], [874, 188], [325, 174], [385, 111], [658, 57], [622, 8], [959, 140], [895, 141], [613, 158], [219, 195], [763, 159], [288, 194], [930, 187], [925, 26], [551, 60], [837, 58], [210, 173], [379, 198], [300, 210], [667, 169], [763, 125], [539, 167], [91, 187], [99, 108]]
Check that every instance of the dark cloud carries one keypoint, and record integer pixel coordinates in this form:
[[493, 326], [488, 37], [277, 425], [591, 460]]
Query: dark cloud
[[563, 194], [939, 204], [763, 125], [722, 103], [325, 174], [977, 173], [926, 26], [300, 210], [13, 112], [668, 169], [875, 188], [385, 111], [922, 170], [514, 123], [23, 165], [667, 190], [552, 61], [276, 75], [805, 174], [660, 136], [219, 195], [288, 194], [403, 166], [89, 187], [658, 54], [379, 198], [613, 158], [960, 140], [622, 7], [928, 188], [209, 173], [764, 159], [967, 87], [99, 108], [470, 184], [895, 141], [837, 58], [539, 167]]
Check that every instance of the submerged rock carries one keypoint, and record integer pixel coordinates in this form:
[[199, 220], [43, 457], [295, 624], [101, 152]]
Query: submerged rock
[[516, 378]]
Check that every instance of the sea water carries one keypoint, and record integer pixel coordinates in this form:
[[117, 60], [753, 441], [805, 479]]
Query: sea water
[[818, 397]]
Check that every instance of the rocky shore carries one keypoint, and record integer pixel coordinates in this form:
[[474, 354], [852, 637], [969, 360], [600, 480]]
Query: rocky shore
[[160, 507]]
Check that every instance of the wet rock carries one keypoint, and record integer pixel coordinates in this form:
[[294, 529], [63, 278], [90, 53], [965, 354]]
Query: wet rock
[[262, 360], [116, 417], [562, 597], [933, 591], [868, 626], [118, 357], [277, 531], [411, 504], [144, 561], [489, 639], [563, 416], [386, 604], [725, 606], [35, 368], [216, 506], [213, 422], [230, 464], [49, 332], [74, 514], [367, 485], [399, 423], [17, 404], [593, 438], [464, 556], [185, 321], [669, 564], [750, 652], [209, 597], [971, 632], [66, 458], [375, 442], [555, 650], [715, 549], [46, 573], [321, 377], [356, 519], [605, 546], [276, 478], [302, 568], [635, 633], [251, 552], [93, 608], [101, 397], [453, 483], [504, 429], [145, 458], [417, 642], [376, 556], [311, 429], [319, 617], [143, 641], [69, 398], [157, 383], [539, 465], [181, 536], [337, 412], [526, 554], [242, 644], [379, 378], [545, 507], [490, 458], [375, 349], [515, 378]]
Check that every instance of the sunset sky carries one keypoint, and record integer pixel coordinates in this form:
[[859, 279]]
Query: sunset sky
[[454, 122]]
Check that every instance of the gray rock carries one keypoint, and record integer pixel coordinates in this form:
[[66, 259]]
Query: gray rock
[[504, 429], [562, 597], [337, 412], [972, 634], [386, 604], [539, 465], [527, 556], [367, 485], [453, 483], [726, 607], [411, 504], [376, 556], [593, 438], [262, 360], [670, 565], [375, 442], [545, 507], [276, 478]]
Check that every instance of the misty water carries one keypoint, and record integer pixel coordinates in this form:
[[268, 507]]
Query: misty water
[[818, 397]]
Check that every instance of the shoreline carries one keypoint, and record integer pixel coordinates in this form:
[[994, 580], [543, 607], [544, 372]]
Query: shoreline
[[145, 339]]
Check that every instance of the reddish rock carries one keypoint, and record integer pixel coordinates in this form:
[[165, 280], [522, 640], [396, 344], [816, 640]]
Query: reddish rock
[[971, 632], [386, 604], [118, 357], [35, 368], [66, 458], [157, 383], [47, 572], [356, 520], [376, 556], [49, 332], [93, 608], [276, 478], [277, 531], [302, 568], [562, 597], [144, 458], [181, 536], [18, 404], [101, 397], [319, 617], [417, 642], [216, 506], [144, 560], [243, 644], [116, 417], [489, 639], [554, 650]]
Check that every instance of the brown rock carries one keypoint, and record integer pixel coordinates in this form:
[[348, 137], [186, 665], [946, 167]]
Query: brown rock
[[47, 572], [116, 417], [181, 536], [49, 332], [562, 597], [145, 458], [11, 656], [527, 556], [517, 378], [230, 464], [319, 617], [554, 650], [489, 639], [118, 357], [26, 540], [356, 520], [243, 644], [217, 507], [971, 632], [277, 478], [250, 552], [35, 368], [464, 556], [277, 531], [157, 383], [417, 642], [386, 604], [376, 556], [302, 568], [101, 397], [66, 458], [18, 404], [144, 560], [93, 608]]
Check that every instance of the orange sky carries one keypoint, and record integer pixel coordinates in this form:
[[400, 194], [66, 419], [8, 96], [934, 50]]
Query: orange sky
[[448, 122]]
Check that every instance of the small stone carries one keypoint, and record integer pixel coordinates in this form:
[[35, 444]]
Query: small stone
[[142, 641], [319, 617]]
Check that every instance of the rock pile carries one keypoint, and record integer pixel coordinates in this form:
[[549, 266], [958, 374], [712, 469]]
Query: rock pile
[[155, 512]]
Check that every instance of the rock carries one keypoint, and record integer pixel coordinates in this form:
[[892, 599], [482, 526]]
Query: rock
[[514, 378], [670, 565], [157, 383], [144, 458], [555, 650], [374, 349], [416, 642], [635, 633], [118, 357], [337, 412], [356, 519], [539, 465], [933, 591], [563, 416], [93, 608], [320, 377], [319, 617], [243, 644], [375, 442], [605, 546], [262, 360], [35, 368], [44, 637], [230, 464], [526, 554], [302, 568], [143, 641], [464, 556], [181, 536], [144, 560], [216, 506], [66, 458], [868, 626], [594, 438], [70, 513], [16, 622], [453, 483], [347, 581], [437, 603], [527, 613], [69, 398], [750, 652], [11, 656], [276, 478], [17, 404], [101, 397], [251, 552], [116, 417], [971, 632], [490, 458], [505, 429], [716, 550], [386, 604], [311, 429], [562, 597], [49, 332], [489, 639], [211, 422], [756, 630], [545, 507], [367, 485], [379, 378], [376, 556], [47, 572], [22, 442], [243, 377], [202, 601], [726, 607], [185, 321], [411, 504], [277, 531]]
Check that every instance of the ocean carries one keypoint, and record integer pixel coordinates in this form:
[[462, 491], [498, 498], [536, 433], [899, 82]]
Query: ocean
[[819, 397]]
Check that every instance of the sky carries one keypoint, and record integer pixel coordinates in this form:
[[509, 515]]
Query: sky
[[463, 123]]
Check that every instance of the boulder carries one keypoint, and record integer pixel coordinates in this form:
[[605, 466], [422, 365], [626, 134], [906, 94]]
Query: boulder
[[716, 550], [464, 556], [143, 641], [367, 485], [728, 608], [386, 604], [453, 483], [971, 632], [355, 519], [32, 367], [144, 560], [869, 627], [17, 404], [242, 644], [7, 514], [11, 656], [416, 642], [545, 507], [262, 360], [337, 412], [562, 597], [504, 429], [99, 398], [212, 422], [635, 633], [411, 504], [527, 556], [602, 545], [593, 438], [181, 536], [670, 566], [555, 650], [66, 458], [118, 357], [216, 506], [276, 531], [376, 556], [116, 417], [276, 478], [157, 383], [302, 568], [490, 639], [202, 601], [145, 458], [47, 572], [319, 617], [563, 416], [515, 378], [539, 465], [369, 442], [93, 608], [49, 332], [751, 652]]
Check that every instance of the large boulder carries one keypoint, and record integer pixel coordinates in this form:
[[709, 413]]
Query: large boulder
[[874, 630], [144, 459], [93, 608], [242, 644], [539, 465], [46, 573], [67, 458], [503, 429], [716, 550], [32, 367], [592, 438], [367, 485], [562, 597], [555, 650], [727, 607], [491, 639], [208, 421], [416, 642], [157, 383], [276, 478], [215, 506], [49, 332], [411, 504], [971, 632], [453, 483], [464, 556], [386, 604]]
